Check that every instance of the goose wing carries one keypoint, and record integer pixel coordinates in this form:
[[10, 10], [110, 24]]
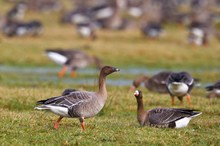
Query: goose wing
[[160, 116], [183, 77], [69, 99]]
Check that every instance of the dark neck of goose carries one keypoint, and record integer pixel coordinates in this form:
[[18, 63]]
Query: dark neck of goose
[[139, 80], [140, 110], [102, 85]]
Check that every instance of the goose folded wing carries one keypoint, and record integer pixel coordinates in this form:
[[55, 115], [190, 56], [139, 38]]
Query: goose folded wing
[[161, 116], [68, 100]]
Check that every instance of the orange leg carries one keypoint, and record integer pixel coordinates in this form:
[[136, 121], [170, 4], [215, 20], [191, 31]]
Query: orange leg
[[188, 99], [62, 71], [82, 123], [56, 124], [172, 100], [73, 74]]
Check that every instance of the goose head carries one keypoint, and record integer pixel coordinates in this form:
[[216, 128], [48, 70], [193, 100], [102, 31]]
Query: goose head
[[138, 94], [106, 70], [137, 82]]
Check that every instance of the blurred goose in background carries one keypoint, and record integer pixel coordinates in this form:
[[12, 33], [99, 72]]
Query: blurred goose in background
[[134, 8], [151, 25], [152, 30], [156, 83], [180, 84], [163, 117], [198, 34], [73, 59], [202, 23], [79, 104], [76, 16], [15, 28], [17, 12], [213, 90], [86, 30]]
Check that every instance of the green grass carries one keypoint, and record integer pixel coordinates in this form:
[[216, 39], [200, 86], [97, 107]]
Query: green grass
[[116, 124]]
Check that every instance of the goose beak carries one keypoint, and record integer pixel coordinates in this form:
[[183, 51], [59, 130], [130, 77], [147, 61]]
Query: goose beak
[[136, 93], [116, 69]]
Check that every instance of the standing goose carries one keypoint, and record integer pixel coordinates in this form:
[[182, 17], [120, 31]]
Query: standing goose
[[78, 104], [180, 84], [156, 83], [163, 117], [73, 59], [213, 90]]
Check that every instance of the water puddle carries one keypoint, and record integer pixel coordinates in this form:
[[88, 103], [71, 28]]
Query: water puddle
[[49, 74]]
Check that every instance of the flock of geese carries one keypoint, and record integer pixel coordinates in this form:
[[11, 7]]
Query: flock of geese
[[146, 15], [85, 104], [73, 103]]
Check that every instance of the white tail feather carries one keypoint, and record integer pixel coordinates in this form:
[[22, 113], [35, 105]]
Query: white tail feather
[[56, 57], [61, 111]]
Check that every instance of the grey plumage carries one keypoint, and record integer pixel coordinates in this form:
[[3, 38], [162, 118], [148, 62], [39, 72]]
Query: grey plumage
[[73, 59], [163, 117], [156, 83], [78, 104], [213, 90], [180, 84]]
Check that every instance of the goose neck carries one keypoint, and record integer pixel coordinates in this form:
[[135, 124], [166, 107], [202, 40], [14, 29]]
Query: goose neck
[[140, 111], [102, 86]]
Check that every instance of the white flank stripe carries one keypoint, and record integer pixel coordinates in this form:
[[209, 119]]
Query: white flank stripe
[[61, 111], [104, 13], [198, 32], [85, 31], [136, 12], [217, 91], [182, 122], [21, 31], [57, 58], [78, 18]]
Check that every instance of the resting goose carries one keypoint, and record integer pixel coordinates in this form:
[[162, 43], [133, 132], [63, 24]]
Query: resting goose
[[163, 117], [180, 84], [15, 28], [78, 104], [156, 83], [213, 90], [73, 59]]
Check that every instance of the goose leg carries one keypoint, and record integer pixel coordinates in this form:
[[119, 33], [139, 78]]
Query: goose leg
[[82, 123], [188, 99], [73, 74], [62, 71], [56, 124], [172, 100]]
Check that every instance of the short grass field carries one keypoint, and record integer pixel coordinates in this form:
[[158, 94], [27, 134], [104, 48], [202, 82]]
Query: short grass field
[[27, 75]]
